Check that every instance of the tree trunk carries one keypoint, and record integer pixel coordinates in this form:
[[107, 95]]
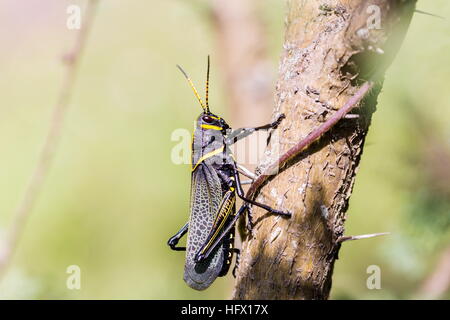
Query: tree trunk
[[329, 51]]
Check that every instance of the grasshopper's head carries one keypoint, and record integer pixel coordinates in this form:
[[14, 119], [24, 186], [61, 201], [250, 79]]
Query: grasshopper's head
[[209, 121], [206, 120]]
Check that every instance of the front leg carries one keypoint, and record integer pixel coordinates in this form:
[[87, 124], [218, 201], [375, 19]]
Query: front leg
[[241, 133]]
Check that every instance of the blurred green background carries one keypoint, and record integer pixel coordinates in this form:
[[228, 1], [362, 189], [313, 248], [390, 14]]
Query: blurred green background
[[113, 196]]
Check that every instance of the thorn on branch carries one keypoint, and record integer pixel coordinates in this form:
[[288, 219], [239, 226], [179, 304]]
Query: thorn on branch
[[351, 116], [429, 14], [360, 237]]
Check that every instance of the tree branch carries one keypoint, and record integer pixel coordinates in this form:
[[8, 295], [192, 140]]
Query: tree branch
[[328, 51]]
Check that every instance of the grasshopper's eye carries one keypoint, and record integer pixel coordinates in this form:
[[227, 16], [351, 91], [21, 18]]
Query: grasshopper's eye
[[207, 119]]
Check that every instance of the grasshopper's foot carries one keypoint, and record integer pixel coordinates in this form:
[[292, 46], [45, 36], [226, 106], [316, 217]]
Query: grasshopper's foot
[[286, 214], [275, 124]]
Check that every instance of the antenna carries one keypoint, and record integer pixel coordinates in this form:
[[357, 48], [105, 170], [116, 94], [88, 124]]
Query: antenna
[[207, 88], [193, 88]]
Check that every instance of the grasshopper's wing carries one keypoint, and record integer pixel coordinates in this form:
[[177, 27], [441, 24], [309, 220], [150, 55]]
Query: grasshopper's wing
[[206, 196]]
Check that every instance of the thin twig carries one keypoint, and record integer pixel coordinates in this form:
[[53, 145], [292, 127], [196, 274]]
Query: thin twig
[[311, 138], [47, 153], [362, 236]]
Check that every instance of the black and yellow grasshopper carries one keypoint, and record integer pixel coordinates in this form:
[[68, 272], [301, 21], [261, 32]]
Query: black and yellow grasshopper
[[214, 185]]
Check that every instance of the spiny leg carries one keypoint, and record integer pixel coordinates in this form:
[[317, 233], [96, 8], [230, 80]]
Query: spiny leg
[[173, 241], [235, 181]]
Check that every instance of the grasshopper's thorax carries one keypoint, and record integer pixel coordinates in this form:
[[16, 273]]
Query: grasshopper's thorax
[[208, 140]]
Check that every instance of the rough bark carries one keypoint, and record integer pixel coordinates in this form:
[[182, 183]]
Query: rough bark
[[329, 50]]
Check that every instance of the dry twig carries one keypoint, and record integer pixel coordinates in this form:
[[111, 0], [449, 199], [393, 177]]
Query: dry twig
[[47, 153]]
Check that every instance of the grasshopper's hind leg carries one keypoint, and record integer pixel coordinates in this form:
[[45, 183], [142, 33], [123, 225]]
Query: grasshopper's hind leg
[[173, 241], [241, 194], [229, 226], [236, 182]]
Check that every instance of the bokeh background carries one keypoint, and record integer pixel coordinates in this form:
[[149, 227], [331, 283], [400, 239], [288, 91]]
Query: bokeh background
[[113, 196]]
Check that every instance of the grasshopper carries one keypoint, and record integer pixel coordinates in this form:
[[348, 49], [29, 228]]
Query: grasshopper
[[215, 183]]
